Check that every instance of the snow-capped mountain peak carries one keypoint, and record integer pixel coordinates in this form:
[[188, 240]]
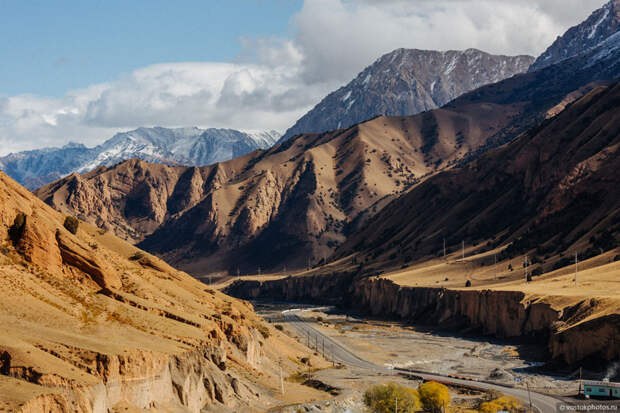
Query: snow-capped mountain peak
[[601, 24], [183, 146], [406, 82]]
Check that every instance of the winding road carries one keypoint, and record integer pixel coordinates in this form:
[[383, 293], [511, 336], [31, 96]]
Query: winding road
[[336, 351]]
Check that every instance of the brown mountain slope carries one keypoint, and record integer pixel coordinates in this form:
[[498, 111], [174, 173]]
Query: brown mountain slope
[[89, 323], [294, 203], [287, 205], [553, 190]]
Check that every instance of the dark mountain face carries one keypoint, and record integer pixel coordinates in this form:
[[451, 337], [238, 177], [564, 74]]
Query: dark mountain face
[[553, 187], [406, 82], [603, 23]]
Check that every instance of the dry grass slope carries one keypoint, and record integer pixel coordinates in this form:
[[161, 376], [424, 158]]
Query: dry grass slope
[[88, 321]]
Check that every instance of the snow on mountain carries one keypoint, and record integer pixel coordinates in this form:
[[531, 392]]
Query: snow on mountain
[[406, 82], [183, 146], [601, 24]]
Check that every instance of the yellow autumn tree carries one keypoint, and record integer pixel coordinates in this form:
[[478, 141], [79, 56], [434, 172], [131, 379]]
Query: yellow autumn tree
[[503, 403], [434, 396], [388, 397]]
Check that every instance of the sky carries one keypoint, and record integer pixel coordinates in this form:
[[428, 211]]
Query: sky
[[80, 71]]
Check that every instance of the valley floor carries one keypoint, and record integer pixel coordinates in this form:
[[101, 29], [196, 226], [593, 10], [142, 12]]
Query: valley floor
[[390, 345]]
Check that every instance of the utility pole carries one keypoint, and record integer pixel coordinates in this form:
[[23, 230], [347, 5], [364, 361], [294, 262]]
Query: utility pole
[[281, 379], [238, 273], [284, 269], [579, 392], [444, 249], [576, 267]]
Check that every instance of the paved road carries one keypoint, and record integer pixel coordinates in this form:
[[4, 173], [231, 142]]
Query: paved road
[[335, 350]]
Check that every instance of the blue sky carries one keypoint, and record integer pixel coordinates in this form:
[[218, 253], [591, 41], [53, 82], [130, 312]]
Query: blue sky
[[83, 70], [49, 47]]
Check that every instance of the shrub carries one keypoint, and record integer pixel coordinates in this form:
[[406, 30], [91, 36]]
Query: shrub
[[72, 224], [504, 403], [537, 271], [17, 229], [263, 330], [137, 256], [563, 262], [382, 399], [279, 327], [468, 283], [434, 396]]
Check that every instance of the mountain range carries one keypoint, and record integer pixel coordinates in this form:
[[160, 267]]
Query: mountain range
[[181, 146], [407, 82], [298, 201], [294, 204]]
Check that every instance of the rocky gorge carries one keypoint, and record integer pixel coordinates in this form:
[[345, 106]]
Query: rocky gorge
[[571, 330]]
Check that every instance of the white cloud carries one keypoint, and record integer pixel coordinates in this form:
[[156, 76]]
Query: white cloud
[[276, 80], [340, 37]]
